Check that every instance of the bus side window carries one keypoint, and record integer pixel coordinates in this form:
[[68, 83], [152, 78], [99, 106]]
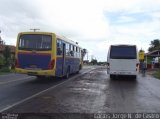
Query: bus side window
[[71, 50], [67, 49], [72, 53], [78, 53], [59, 47]]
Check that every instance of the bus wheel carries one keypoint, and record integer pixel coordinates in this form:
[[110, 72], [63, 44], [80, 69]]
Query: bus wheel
[[80, 67], [112, 76], [77, 72], [40, 77], [67, 73]]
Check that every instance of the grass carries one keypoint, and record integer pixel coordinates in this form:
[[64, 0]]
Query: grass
[[3, 73], [157, 74], [6, 70]]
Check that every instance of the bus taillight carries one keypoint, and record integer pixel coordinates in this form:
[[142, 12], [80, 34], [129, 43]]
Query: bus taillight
[[17, 64], [51, 64]]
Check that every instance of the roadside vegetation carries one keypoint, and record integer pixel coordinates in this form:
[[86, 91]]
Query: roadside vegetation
[[155, 46], [6, 70], [156, 74], [6, 62], [94, 62]]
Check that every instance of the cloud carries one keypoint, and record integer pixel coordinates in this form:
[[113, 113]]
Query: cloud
[[94, 24], [17, 16], [82, 17]]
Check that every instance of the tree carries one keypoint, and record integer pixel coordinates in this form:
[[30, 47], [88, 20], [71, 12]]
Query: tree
[[1, 61], [155, 45], [84, 51], [7, 55], [13, 59], [1, 41], [94, 61], [141, 50]]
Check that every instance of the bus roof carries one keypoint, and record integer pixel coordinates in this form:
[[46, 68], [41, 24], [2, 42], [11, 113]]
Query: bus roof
[[67, 40], [123, 45], [57, 36]]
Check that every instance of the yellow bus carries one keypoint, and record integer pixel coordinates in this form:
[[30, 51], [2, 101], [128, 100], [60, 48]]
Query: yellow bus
[[47, 54]]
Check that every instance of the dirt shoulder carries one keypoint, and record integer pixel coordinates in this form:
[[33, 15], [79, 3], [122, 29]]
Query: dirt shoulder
[[154, 72]]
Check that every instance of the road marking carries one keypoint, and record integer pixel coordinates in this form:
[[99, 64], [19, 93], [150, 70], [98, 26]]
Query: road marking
[[16, 80], [37, 94]]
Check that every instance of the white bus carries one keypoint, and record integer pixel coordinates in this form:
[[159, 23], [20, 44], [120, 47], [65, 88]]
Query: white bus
[[122, 60]]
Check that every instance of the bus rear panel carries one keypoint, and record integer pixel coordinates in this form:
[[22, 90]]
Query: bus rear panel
[[123, 60], [34, 54], [46, 54]]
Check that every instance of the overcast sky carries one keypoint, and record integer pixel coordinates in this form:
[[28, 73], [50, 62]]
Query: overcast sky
[[94, 24]]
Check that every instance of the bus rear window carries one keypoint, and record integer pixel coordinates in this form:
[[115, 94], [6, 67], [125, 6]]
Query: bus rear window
[[35, 42], [123, 52]]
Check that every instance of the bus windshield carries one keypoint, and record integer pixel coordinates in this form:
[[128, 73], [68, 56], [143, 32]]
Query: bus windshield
[[123, 52], [35, 42]]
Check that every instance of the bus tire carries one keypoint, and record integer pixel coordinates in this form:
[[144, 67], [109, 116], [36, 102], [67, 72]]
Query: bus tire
[[80, 67], [40, 77], [77, 72], [112, 76]]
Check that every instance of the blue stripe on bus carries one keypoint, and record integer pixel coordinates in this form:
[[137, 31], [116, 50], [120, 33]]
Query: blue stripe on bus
[[59, 63], [72, 62], [34, 61]]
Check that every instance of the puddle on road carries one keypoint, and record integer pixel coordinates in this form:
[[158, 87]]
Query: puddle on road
[[87, 90], [47, 97]]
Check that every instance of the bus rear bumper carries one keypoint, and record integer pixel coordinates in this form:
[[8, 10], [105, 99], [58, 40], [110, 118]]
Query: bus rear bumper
[[36, 72], [125, 73]]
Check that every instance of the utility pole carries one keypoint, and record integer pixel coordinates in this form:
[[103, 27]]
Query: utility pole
[[34, 29]]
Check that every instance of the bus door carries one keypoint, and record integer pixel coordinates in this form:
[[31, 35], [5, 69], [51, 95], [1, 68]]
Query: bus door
[[63, 59]]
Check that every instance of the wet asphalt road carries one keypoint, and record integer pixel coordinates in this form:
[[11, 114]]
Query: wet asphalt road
[[92, 92], [17, 87]]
